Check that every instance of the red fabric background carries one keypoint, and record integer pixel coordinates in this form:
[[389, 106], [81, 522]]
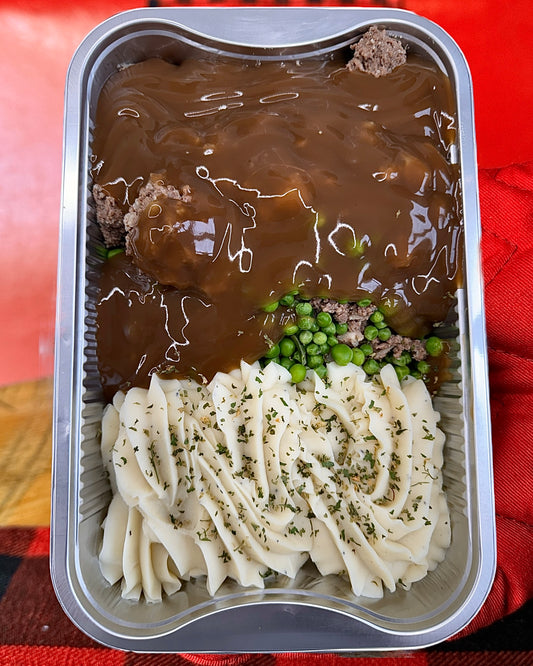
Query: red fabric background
[[507, 250], [495, 38]]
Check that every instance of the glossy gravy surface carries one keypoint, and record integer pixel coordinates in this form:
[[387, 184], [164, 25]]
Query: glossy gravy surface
[[303, 176]]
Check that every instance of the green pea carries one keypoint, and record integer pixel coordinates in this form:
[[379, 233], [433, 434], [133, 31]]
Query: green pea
[[323, 319], [403, 359], [315, 327], [330, 329], [305, 323], [314, 361], [114, 251], [389, 306], [287, 300], [320, 338], [272, 360], [364, 302], [423, 367], [434, 346], [370, 332], [401, 371], [377, 317], [371, 367], [297, 373], [291, 329], [312, 349], [358, 357], [286, 347], [286, 362], [380, 324], [384, 334], [321, 371], [305, 337], [341, 354], [303, 309], [271, 307], [332, 341], [324, 349], [366, 348], [273, 351], [341, 329]]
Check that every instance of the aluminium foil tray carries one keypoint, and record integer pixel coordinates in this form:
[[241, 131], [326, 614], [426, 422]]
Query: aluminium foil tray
[[307, 614]]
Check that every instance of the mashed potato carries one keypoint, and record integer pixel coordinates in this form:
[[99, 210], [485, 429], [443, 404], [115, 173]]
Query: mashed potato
[[252, 475]]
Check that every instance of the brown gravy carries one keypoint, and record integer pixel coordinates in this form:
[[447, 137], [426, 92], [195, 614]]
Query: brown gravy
[[303, 175]]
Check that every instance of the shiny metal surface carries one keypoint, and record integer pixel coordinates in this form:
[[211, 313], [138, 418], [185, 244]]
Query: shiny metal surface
[[307, 614]]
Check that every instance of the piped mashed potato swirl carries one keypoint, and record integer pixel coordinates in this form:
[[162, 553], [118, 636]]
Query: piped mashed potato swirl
[[252, 475]]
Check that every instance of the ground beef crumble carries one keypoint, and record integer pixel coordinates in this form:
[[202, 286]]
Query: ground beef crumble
[[110, 217], [358, 317], [377, 53], [149, 193], [343, 312], [117, 226]]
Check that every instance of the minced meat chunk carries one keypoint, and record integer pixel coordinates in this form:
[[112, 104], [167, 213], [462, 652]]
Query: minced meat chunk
[[114, 225], [155, 188], [110, 217], [397, 344], [377, 53], [343, 312], [354, 335]]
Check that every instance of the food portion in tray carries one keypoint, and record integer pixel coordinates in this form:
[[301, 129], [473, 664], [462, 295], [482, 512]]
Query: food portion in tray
[[294, 224], [252, 475]]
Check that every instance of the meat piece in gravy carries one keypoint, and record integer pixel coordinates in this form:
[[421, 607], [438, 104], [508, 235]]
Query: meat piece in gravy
[[377, 53]]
